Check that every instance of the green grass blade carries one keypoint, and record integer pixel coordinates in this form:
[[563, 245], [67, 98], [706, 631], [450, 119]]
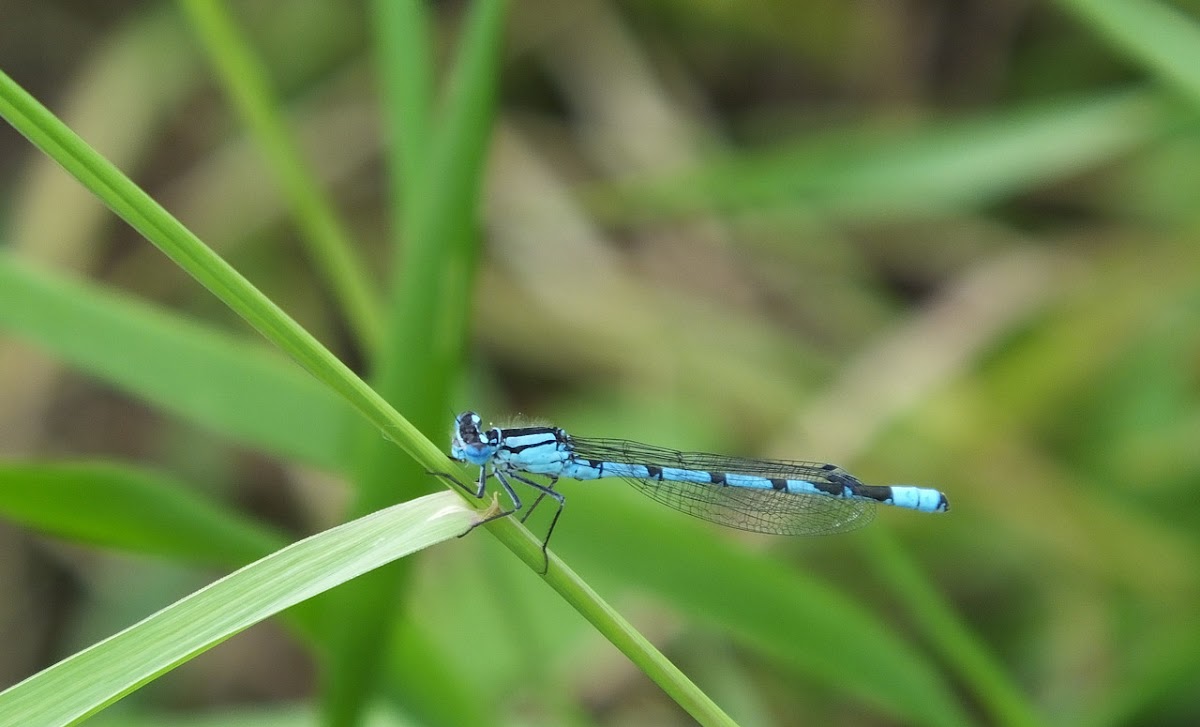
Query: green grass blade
[[954, 640], [94, 678], [424, 340], [942, 168], [145, 215], [329, 242], [116, 506], [402, 33], [427, 314], [1154, 34], [220, 381]]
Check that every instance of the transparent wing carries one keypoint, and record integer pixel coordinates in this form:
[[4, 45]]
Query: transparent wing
[[761, 511]]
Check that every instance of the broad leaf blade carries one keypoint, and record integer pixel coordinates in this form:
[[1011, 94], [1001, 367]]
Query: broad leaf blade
[[218, 380], [131, 509], [91, 679], [1159, 36], [941, 168]]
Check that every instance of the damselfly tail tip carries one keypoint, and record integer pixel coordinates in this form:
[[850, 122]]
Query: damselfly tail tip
[[943, 504]]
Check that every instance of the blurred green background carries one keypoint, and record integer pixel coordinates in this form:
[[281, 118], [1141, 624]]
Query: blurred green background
[[949, 244]]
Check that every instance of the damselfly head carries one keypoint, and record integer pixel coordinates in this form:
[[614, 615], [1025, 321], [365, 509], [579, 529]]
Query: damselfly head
[[467, 441]]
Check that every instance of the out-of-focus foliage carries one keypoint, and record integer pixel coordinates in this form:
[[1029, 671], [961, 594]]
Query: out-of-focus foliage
[[942, 244]]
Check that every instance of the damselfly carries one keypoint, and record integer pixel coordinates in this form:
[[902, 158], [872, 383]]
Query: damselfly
[[760, 495]]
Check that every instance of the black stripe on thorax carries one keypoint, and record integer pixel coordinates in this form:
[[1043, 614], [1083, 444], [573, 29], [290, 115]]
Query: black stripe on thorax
[[526, 431], [553, 436]]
